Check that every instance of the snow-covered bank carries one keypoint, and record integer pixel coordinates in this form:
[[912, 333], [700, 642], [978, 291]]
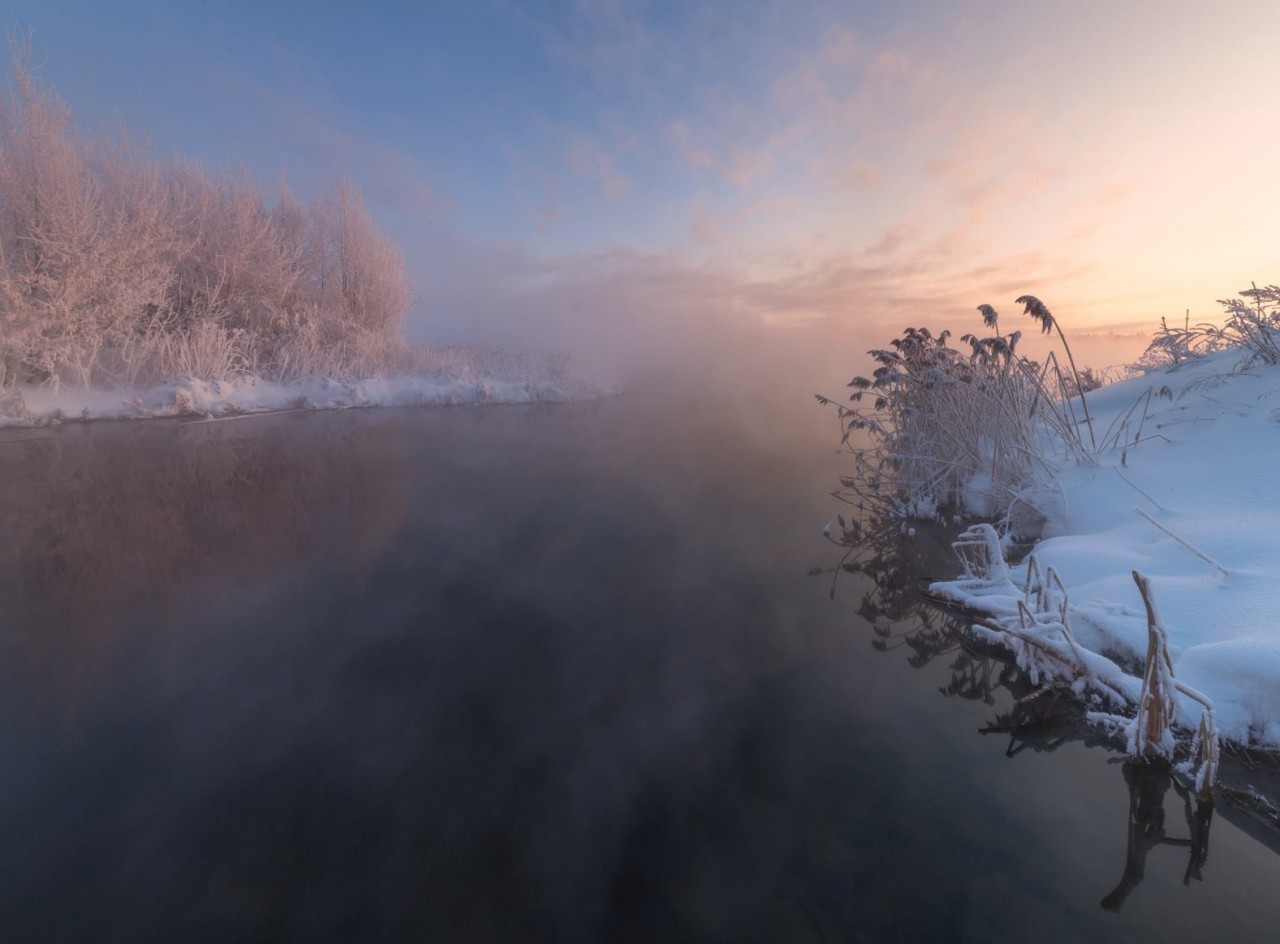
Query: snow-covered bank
[[36, 406], [1194, 506]]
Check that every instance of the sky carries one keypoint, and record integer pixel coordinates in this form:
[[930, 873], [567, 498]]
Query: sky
[[657, 177]]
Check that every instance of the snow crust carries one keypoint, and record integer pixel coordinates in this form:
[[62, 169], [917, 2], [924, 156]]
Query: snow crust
[[1195, 506], [37, 406]]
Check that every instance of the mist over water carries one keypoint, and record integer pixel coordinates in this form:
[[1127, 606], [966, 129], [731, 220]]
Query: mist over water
[[522, 673], [632, 314]]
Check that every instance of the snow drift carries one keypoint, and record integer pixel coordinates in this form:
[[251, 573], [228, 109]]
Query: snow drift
[[1191, 502]]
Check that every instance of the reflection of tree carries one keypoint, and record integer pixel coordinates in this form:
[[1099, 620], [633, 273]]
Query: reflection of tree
[[1042, 721], [894, 556], [1148, 785], [891, 558], [101, 523]]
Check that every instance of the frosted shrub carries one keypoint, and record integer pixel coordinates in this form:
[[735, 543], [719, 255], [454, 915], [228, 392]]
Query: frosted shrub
[[1172, 346], [972, 433], [205, 351], [1252, 325]]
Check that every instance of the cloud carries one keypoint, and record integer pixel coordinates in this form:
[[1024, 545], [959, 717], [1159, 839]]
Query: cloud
[[747, 167], [694, 157], [588, 160], [606, 41], [858, 174], [641, 311]]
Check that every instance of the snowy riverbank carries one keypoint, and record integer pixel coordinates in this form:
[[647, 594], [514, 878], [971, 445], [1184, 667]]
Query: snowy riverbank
[[37, 406], [1194, 506]]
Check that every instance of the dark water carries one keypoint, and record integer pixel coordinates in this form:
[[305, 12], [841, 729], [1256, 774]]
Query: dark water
[[516, 674]]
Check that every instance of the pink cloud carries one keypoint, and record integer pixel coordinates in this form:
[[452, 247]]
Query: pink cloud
[[890, 63], [694, 157], [587, 159]]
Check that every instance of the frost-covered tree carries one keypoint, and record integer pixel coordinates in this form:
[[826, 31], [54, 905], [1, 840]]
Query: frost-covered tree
[[363, 276], [114, 269], [83, 237]]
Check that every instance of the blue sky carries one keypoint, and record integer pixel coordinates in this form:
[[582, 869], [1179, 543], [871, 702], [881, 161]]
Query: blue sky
[[829, 170]]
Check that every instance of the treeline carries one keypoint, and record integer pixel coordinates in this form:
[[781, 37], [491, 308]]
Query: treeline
[[118, 270]]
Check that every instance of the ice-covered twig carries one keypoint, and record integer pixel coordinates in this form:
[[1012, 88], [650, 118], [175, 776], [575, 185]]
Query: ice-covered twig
[[1037, 631], [1150, 735], [979, 550]]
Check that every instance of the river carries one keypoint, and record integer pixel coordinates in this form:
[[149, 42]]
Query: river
[[549, 673]]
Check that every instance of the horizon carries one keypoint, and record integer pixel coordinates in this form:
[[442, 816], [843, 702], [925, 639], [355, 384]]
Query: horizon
[[649, 177]]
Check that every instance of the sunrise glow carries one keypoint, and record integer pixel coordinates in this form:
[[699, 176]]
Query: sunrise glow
[[844, 169]]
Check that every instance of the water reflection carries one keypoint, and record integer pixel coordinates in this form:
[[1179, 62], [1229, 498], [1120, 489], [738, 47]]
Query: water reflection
[[541, 676], [892, 561], [436, 680], [94, 526], [1149, 784]]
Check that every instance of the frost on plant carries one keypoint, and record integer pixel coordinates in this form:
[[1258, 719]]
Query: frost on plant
[[938, 431], [1252, 325], [1033, 622], [1150, 734], [118, 271]]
